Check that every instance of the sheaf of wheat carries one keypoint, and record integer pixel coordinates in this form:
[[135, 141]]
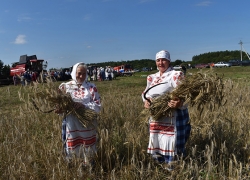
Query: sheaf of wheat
[[46, 98], [197, 90]]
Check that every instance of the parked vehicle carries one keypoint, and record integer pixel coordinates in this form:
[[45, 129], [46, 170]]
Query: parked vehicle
[[200, 66], [128, 73], [136, 70], [234, 62], [123, 68], [222, 64], [245, 63], [145, 69], [177, 67]]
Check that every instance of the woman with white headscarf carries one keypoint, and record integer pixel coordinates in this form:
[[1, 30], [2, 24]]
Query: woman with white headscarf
[[78, 140], [168, 135]]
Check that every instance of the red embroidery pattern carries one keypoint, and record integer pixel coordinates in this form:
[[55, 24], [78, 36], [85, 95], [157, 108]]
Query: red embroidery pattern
[[149, 78], [158, 127], [79, 93], [158, 80], [72, 144]]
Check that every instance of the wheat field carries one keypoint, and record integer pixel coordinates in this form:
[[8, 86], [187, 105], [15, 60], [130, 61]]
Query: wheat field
[[218, 148]]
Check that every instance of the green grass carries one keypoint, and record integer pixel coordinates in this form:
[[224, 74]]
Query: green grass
[[234, 72]]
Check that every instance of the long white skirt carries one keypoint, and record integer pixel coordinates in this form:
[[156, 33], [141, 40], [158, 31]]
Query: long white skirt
[[79, 141], [163, 134]]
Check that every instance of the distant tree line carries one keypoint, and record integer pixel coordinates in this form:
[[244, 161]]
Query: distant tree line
[[218, 56], [197, 59]]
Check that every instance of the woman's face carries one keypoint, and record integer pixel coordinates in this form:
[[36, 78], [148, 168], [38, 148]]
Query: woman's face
[[162, 64], [80, 74]]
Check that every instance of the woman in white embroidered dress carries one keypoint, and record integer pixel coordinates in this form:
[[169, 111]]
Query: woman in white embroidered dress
[[78, 140], [169, 135]]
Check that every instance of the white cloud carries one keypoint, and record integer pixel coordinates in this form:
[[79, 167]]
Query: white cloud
[[89, 46], [20, 39], [22, 18], [204, 3]]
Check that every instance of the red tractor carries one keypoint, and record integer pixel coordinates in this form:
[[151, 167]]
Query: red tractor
[[27, 64]]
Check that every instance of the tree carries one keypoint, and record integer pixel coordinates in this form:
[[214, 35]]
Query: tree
[[177, 62], [6, 70], [1, 66], [136, 64], [218, 56]]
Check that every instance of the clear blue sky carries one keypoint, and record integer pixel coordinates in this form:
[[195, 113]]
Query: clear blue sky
[[64, 32]]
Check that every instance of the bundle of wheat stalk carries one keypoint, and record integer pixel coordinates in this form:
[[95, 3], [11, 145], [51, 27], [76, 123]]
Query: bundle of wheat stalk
[[47, 98], [197, 90]]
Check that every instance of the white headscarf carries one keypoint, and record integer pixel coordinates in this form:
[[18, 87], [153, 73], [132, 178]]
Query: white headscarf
[[163, 54], [73, 73]]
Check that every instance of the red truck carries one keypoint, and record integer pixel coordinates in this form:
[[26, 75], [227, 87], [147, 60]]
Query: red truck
[[124, 70]]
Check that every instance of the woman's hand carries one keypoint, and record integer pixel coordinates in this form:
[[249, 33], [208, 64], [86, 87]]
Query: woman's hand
[[58, 110], [175, 103], [147, 104]]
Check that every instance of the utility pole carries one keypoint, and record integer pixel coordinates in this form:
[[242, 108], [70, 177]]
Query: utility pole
[[241, 43], [241, 47]]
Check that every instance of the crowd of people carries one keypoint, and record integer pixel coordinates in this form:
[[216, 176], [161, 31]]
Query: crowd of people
[[59, 75], [28, 77], [101, 74], [25, 78], [94, 74]]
